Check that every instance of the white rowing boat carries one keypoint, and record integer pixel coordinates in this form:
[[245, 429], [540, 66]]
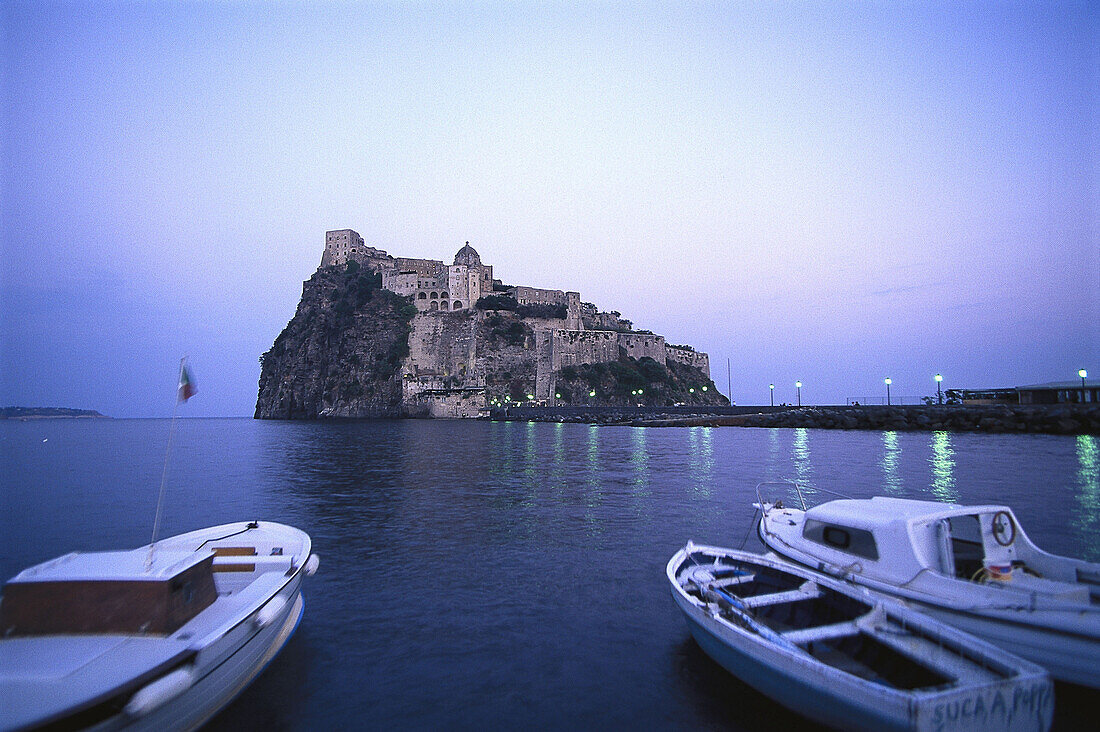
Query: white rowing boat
[[842, 656]]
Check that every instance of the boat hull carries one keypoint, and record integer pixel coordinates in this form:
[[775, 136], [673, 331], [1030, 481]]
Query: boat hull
[[792, 687], [226, 645], [230, 670], [1043, 609], [1070, 657], [1075, 660], [838, 699]]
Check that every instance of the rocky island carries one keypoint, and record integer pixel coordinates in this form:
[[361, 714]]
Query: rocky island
[[48, 413], [382, 336]]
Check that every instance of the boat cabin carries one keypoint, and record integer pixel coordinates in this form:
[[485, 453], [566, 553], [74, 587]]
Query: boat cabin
[[108, 593], [957, 541]]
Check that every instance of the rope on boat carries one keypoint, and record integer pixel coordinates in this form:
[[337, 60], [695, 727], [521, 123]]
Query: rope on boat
[[251, 525], [755, 514]]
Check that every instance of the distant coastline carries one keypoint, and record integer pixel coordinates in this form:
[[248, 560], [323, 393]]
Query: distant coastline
[[49, 413]]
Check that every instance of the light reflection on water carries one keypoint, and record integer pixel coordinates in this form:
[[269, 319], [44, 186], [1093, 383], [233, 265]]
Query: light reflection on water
[[639, 461], [773, 470], [891, 453], [803, 469], [701, 460], [592, 492], [475, 571], [1088, 492], [943, 468]]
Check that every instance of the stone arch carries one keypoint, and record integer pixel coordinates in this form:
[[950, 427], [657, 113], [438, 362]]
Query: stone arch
[[434, 295], [443, 295], [435, 306], [442, 304], [458, 305], [423, 296]]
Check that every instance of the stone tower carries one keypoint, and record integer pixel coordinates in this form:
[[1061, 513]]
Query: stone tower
[[340, 246]]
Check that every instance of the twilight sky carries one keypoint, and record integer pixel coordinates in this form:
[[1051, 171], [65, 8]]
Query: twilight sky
[[832, 192]]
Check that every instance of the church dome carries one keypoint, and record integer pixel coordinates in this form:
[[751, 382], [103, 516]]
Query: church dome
[[468, 255]]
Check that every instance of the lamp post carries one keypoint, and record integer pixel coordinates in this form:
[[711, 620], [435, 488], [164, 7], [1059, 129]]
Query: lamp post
[[1082, 373], [888, 382], [798, 390], [939, 390], [771, 387]]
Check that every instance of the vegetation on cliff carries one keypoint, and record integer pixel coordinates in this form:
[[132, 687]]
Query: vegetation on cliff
[[636, 382], [542, 311], [340, 355]]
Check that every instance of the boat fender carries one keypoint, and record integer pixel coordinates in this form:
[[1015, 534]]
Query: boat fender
[[159, 692], [312, 564], [269, 612]]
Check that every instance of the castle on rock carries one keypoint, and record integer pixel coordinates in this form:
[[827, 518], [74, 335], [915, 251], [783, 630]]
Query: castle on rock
[[443, 360]]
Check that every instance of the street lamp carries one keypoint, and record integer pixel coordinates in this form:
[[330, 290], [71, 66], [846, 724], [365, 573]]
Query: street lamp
[[939, 390], [888, 382], [798, 388], [1082, 373], [771, 387]]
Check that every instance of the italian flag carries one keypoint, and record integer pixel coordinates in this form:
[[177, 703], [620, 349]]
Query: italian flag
[[187, 387]]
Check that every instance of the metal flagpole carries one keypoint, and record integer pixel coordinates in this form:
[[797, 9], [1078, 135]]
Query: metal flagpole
[[164, 472]]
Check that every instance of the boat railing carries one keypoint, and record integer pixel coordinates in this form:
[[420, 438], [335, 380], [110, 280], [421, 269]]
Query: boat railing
[[788, 484]]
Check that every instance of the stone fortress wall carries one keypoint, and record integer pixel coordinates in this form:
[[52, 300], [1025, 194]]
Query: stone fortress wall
[[689, 356], [442, 361], [641, 345]]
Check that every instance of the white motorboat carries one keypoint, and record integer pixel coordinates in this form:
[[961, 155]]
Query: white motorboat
[[972, 566], [155, 638], [845, 657]]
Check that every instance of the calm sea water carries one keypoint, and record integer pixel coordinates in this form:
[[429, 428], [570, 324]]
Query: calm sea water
[[504, 575]]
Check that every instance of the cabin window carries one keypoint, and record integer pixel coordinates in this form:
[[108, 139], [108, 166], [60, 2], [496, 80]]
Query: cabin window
[[853, 541]]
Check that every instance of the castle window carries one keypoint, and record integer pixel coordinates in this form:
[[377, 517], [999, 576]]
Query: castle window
[[444, 295], [435, 296], [442, 304], [458, 305], [423, 296], [435, 306]]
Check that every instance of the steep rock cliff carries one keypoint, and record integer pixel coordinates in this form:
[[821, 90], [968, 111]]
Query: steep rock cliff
[[340, 355]]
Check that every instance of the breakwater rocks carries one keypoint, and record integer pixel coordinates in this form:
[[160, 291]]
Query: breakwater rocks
[[1060, 419]]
